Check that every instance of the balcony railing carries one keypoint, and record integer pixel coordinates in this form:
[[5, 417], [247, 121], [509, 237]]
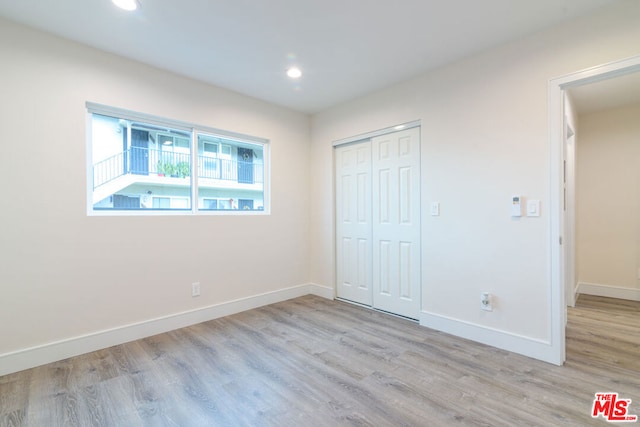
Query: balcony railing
[[145, 161]]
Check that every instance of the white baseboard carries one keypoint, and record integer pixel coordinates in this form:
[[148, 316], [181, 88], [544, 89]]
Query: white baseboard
[[322, 291], [575, 294], [530, 347], [59, 350], [608, 291]]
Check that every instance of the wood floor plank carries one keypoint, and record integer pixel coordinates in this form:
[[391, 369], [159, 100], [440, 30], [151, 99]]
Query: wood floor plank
[[314, 362]]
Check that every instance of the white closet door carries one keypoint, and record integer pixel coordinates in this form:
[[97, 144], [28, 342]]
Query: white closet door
[[396, 222], [353, 222]]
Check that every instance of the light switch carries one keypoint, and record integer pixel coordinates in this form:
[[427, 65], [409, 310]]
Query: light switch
[[533, 207], [435, 208]]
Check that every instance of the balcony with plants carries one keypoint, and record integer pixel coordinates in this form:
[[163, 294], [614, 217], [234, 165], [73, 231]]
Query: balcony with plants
[[167, 168]]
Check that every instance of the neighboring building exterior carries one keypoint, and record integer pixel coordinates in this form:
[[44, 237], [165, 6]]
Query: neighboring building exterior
[[143, 166]]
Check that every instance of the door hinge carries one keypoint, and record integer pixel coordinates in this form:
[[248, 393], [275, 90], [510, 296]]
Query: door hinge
[[560, 238]]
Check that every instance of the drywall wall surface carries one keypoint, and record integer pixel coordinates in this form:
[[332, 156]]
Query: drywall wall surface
[[64, 274], [608, 196], [484, 139]]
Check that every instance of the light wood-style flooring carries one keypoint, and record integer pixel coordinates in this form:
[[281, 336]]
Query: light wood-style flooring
[[313, 362]]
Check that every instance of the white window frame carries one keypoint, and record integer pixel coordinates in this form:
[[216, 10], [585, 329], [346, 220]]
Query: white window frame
[[194, 129]]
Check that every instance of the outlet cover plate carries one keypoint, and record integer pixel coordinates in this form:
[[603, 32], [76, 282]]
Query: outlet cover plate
[[195, 289]]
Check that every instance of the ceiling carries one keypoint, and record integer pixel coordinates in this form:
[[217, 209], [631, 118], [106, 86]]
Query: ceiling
[[345, 48]]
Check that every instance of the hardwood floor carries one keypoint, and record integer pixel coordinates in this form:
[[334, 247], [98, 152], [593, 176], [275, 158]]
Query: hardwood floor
[[314, 362]]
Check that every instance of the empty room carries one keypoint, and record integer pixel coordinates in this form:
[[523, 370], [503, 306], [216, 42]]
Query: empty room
[[418, 213]]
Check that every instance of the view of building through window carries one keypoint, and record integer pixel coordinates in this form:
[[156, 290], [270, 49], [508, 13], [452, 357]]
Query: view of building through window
[[143, 166]]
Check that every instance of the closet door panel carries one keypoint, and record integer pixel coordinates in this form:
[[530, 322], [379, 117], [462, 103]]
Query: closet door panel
[[396, 222], [353, 222]]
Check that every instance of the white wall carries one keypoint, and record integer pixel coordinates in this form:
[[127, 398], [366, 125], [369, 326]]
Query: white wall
[[608, 195], [64, 274], [484, 139]]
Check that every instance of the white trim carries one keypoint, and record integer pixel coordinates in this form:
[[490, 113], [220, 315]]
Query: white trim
[[322, 291], [50, 352], [527, 346], [631, 294], [195, 147], [575, 294], [555, 91], [369, 135], [599, 73], [89, 162]]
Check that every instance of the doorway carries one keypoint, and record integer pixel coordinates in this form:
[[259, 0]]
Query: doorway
[[378, 222], [245, 165], [139, 152], [559, 262]]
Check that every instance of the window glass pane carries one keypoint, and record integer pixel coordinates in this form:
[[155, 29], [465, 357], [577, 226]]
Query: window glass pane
[[211, 204], [235, 177], [182, 144], [143, 163], [136, 163], [210, 148], [161, 202]]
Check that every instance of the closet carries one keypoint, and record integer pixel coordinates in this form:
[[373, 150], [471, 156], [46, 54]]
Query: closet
[[378, 222]]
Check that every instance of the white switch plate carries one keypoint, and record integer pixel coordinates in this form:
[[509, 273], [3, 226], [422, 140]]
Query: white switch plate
[[533, 207], [435, 208], [195, 289]]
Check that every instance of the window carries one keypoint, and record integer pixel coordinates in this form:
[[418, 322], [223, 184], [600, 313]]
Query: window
[[211, 204], [144, 164], [161, 202]]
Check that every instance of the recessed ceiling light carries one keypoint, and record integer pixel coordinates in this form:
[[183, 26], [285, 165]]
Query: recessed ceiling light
[[126, 4], [294, 72]]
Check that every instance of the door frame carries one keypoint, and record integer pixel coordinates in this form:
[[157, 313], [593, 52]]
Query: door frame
[[369, 135], [569, 208], [556, 121]]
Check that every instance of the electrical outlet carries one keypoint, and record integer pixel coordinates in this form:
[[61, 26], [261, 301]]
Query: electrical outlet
[[195, 289], [435, 208], [485, 301]]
